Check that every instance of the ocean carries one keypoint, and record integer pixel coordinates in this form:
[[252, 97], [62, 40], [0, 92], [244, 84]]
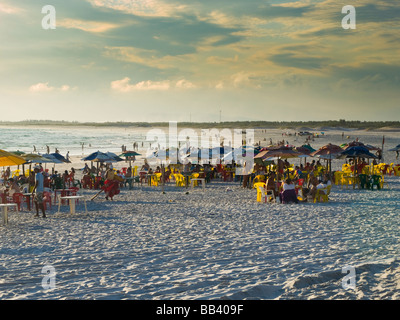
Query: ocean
[[83, 140]]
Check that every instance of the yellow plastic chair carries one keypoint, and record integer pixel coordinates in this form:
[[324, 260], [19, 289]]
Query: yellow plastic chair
[[338, 177], [179, 180], [383, 182], [260, 187], [259, 178], [194, 176], [346, 181], [156, 179], [324, 195]]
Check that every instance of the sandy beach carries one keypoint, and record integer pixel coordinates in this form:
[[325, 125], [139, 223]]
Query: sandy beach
[[213, 244]]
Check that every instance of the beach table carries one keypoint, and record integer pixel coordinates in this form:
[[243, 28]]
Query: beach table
[[67, 192], [202, 180], [72, 202], [29, 198], [4, 210]]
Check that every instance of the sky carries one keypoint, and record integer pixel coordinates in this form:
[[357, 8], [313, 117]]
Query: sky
[[199, 60]]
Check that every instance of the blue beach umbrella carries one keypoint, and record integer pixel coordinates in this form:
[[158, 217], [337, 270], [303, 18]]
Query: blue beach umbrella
[[358, 152]]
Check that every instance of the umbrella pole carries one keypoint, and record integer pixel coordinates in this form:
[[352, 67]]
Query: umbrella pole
[[355, 173], [162, 177]]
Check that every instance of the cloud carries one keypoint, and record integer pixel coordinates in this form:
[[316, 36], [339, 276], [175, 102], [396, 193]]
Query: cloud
[[301, 62], [124, 85], [5, 8], [88, 26], [149, 8], [44, 87]]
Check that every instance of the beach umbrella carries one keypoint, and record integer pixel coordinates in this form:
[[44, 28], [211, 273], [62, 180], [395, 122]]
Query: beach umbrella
[[357, 152], [305, 150], [359, 144], [10, 159], [59, 157], [328, 152], [98, 156], [114, 157], [18, 153], [276, 153], [129, 155], [397, 148], [240, 152], [51, 158], [35, 158]]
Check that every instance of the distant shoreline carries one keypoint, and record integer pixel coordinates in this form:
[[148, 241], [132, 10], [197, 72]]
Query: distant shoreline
[[284, 125]]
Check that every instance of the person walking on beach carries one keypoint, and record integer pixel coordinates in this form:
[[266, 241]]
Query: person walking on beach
[[38, 190], [111, 184]]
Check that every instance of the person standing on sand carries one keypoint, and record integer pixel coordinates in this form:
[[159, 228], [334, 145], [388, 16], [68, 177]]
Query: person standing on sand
[[111, 184], [38, 189]]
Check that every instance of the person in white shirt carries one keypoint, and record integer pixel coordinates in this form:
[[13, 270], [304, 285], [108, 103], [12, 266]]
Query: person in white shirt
[[288, 193], [288, 185]]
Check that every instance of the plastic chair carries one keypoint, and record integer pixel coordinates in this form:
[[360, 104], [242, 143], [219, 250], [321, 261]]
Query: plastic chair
[[18, 198], [376, 181], [383, 182], [364, 181], [321, 194], [179, 180], [260, 187], [46, 199], [270, 196], [74, 191], [338, 177], [194, 176]]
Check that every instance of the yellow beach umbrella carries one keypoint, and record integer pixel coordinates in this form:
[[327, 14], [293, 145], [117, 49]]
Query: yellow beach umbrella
[[10, 159]]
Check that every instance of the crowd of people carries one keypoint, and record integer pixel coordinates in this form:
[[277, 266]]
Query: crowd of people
[[285, 180]]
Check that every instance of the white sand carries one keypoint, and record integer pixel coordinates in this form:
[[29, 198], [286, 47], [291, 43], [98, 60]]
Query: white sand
[[206, 245], [215, 244]]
